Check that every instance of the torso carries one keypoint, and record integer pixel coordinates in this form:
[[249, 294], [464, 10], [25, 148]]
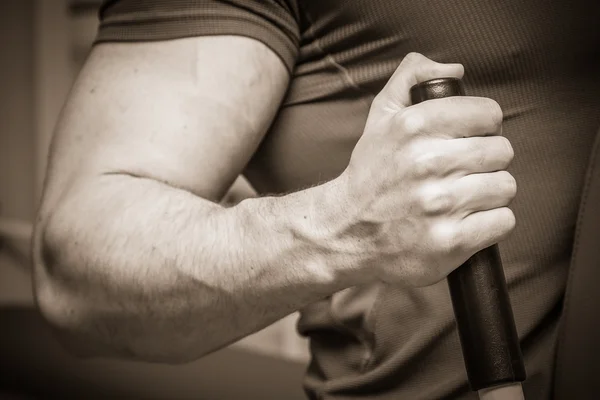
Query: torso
[[541, 61]]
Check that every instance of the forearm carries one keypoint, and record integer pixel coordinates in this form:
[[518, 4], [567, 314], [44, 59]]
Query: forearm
[[153, 272]]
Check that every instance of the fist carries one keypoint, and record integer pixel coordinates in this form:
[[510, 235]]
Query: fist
[[426, 186]]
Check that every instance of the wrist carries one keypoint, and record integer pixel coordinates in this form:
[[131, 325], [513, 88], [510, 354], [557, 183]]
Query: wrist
[[329, 227]]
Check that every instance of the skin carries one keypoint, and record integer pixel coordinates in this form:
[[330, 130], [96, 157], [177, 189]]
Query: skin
[[134, 255]]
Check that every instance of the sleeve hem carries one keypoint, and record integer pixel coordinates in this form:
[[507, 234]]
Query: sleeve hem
[[168, 29]]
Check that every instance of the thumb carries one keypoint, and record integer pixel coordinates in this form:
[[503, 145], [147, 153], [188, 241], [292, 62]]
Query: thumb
[[414, 68]]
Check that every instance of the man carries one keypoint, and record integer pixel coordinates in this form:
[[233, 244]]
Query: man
[[376, 200]]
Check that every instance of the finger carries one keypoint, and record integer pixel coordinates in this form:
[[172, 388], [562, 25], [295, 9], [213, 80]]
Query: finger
[[482, 192], [462, 157], [459, 157], [483, 229], [414, 68], [452, 117]]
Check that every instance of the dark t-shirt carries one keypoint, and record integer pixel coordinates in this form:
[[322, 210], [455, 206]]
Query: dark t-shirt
[[539, 59]]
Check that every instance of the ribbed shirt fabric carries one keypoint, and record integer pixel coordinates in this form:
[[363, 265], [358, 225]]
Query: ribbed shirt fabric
[[539, 59]]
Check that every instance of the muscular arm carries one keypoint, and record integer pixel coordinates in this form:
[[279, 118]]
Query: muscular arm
[[134, 257]]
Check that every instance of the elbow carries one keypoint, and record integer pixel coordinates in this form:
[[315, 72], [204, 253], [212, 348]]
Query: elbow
[[84, 320], [83, 332], [56, 293], [58, 312]]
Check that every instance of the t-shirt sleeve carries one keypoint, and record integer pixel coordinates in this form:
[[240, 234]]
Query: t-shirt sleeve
[[272, 22]]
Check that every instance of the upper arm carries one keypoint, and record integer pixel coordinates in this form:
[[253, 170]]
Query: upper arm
[[187, 112]]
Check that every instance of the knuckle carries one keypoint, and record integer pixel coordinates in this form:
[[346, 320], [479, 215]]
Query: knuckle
[[495, 111], [435, 199], [477, 151], [426, 163], [410, 121], [480, 155], [376, 102], [413, 58], [510, 184], [510, 152], [380, 101], [506, 223], [509, 219], [446, 239]]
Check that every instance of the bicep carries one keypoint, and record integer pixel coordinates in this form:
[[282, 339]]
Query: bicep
[[188, 113]]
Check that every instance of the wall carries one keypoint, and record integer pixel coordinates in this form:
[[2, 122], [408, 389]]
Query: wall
[[17, 134]]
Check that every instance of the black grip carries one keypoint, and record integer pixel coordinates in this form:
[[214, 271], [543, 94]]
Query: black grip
[[482, 309]]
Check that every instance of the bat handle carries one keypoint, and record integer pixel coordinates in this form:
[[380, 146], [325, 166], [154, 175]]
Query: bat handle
[[480, 299]]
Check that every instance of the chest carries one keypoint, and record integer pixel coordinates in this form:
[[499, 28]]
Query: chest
[[540, 59], [487, 36]]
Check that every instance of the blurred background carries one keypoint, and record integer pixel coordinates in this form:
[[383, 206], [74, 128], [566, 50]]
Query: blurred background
[[43, 44]]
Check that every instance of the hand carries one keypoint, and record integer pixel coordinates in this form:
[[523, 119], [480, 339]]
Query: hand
[[426, 186]]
